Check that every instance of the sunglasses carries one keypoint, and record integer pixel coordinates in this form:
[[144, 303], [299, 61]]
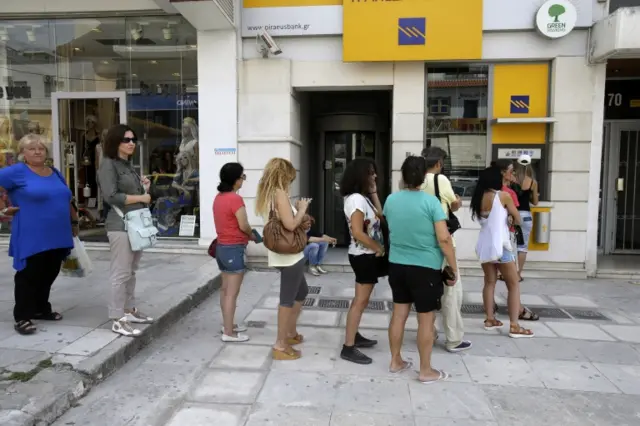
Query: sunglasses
[[129, 140]]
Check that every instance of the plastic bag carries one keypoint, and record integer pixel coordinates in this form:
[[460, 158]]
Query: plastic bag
[[77, 264]]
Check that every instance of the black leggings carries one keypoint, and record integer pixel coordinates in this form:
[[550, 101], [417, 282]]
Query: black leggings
[[293, 284], [33, 284]]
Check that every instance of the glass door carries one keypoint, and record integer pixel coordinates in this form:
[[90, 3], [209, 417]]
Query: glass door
[[80, 122], [340, 149], [627, 190]]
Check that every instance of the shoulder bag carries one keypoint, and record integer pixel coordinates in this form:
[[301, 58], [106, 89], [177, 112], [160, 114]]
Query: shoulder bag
[[453, 224], [382, 262], [279, 239]]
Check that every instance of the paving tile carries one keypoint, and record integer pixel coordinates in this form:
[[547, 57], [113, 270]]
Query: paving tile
[[548, 348], [335, 291], [371, 320], [90, 343], [379, 394], [475, 297], [297, 389], [270, 316], [313, 360], [271, 302], [463, 401], [578, 330], [475, 325], [86, 316], [242, 356], [597, 409], [573, 301], [354, 418], [453, 364], [318, 318], [9, 357], [203, 415], [491, 345], [513, 406], [572, 375], [421, 420], [235, 387], [610, 352], [616, 316], [288, 416], [49, 338], [627, 333], [501, 371], [625, 377], [533, 300]]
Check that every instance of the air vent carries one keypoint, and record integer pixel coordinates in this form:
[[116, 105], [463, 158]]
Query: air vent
[[227, 7]]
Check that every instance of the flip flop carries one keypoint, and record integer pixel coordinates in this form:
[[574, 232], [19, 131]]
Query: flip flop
[[441, 377], [407, 365]]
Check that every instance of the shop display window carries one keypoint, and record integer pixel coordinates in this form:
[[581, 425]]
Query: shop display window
[[456, 105], [71, 79]]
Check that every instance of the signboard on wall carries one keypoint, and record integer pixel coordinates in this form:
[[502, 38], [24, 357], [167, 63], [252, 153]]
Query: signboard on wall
[[324, 17], [411, 30], [622, 100], [556, 18]]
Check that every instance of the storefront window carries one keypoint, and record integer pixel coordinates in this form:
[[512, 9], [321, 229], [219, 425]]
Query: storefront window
[[456, 105], [93, 73]]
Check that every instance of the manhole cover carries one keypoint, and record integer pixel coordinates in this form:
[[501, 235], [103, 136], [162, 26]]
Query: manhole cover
[[256, 324], [469, 308], [333, 304], [586, 314], [376, 305], [314, 289], [309, 302], [551, 313]]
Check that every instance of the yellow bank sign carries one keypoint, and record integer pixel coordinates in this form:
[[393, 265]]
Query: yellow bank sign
[[412, 30]]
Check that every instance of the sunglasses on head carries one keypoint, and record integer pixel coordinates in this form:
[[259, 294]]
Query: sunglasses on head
[[128, 140]]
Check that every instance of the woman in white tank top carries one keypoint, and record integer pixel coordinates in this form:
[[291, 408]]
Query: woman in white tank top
[[490, 207]]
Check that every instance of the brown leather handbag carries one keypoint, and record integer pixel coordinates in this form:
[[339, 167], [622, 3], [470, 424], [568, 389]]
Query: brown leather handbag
[[280, 240]]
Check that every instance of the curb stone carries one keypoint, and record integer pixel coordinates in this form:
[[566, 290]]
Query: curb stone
[[51, 392]]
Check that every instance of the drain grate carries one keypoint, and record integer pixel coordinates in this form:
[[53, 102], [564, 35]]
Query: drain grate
[[314, 289], [472, 308], [586, 314], [309, 302], [554, 313], [333, 304], [376, 305], [256, 324]]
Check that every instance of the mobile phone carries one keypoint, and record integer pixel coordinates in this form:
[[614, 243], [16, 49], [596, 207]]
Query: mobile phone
[[257, 235]]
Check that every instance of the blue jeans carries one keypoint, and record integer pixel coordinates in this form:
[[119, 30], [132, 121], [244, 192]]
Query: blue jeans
[[230, 258], [315, 252]]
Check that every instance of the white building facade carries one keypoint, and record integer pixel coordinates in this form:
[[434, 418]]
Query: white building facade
[[486, 79]]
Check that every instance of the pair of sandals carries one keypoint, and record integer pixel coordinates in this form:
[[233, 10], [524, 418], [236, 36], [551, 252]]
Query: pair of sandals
[[26, 327], [525, 315], [515, 332], [288, 354]]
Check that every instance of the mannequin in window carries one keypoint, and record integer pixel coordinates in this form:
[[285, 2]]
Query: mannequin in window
[[91, 141], [189, 141], [187, 178]]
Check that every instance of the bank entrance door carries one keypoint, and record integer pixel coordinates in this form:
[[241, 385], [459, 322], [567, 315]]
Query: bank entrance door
[[78, 122], [621, 194]]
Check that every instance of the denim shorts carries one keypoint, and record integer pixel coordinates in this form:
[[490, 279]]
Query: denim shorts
[[526, 226], [507, 256], [230, 258]]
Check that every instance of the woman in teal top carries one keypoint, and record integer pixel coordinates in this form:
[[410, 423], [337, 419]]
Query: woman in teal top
[[419, 242]]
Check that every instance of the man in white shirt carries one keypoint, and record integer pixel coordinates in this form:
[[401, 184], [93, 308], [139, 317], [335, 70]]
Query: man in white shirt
[[452, 298]]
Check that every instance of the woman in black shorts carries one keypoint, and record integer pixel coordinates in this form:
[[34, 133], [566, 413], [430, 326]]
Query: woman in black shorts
[[362, 209], [419, 244]]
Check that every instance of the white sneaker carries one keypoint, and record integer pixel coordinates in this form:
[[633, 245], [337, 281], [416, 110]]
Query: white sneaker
[[236, 328], [313, 270], [123, 327], [138, 317], [321, 270], [238, 339]]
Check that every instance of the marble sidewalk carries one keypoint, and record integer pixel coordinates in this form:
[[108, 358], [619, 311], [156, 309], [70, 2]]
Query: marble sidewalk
[[42, 375], [575, 372]]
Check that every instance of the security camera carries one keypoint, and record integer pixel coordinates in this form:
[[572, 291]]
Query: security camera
[[269, 43]]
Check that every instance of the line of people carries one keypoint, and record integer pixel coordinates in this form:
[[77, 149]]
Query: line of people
[[409, 240]]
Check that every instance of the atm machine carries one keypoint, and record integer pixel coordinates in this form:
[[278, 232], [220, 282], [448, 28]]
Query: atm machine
[[539, 159]]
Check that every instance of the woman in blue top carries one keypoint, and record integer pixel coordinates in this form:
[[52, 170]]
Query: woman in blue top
[[44, 224], [420, 242]]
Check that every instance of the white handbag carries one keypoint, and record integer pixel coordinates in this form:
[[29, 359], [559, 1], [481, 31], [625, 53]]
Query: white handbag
[[139, 227]]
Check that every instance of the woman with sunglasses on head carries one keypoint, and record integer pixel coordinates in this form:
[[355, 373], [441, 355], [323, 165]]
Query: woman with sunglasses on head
[[123, 188], [491, 206], [508, 180], [526, 188], [234, 233]]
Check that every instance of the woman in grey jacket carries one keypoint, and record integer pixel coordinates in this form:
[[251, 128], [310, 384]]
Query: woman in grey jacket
[[123, 188]]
